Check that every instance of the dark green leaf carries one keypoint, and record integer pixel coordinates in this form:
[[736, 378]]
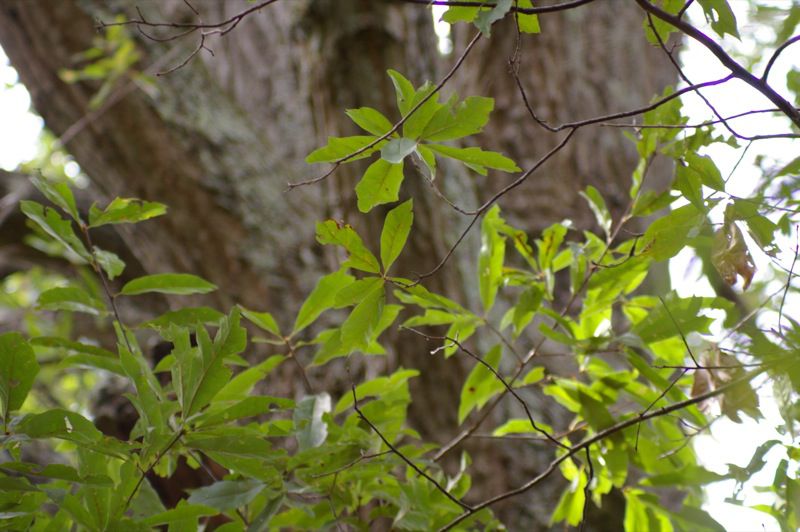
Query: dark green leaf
[[71, 298], [227, 494], [186, 317], [168, 283], [18, 369]]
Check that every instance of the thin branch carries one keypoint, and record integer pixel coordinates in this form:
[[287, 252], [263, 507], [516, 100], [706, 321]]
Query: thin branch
[[685, 78], [403, 457], [736, 69], [664, 392], [599, 436], [789, 280], [587, 489], [500, 378], [483, 208], [564, 6], [680, 332], [227, 23], [775, 55]]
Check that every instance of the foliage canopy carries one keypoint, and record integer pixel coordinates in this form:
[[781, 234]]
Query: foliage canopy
[[648, 365]]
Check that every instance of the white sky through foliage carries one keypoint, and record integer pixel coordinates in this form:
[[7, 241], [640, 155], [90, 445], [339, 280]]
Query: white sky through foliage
[[728, 442]]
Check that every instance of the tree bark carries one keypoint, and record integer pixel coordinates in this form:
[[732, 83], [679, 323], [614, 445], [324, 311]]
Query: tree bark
[[225, 133]]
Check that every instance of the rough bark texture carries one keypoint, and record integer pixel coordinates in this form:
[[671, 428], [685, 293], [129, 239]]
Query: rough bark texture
[[224, 135]]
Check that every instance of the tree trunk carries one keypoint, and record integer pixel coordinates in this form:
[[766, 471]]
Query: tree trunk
[[225, 133]]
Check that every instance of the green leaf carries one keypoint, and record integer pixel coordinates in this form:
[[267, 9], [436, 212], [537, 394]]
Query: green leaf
[[481, 384], [321, 298], [669, 234], [70, 426], [460, 14], [262, 320], [792, 168], [398, 149], [456, 121], [55, 226], [395, 233], [598, 206], [519, 426], [678, 315], [59, 193], [335, 233], [186, 317], [529, 302], [182, 512], [380, 184], [476, 157], [227, 494], [18, 369], [377, 387], [168, 283], [71, 298], [426, 104], [241, 385], [532, 377], [110, 262], [125, 211], [359, 328], [199, 372], [370, 120], [721, 17], [404, 90], [340, 147], [484, 19], [492, 255], [82, 354], [310, 428], [570, 506], [527, 23], [223, 412], [706, 170]]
